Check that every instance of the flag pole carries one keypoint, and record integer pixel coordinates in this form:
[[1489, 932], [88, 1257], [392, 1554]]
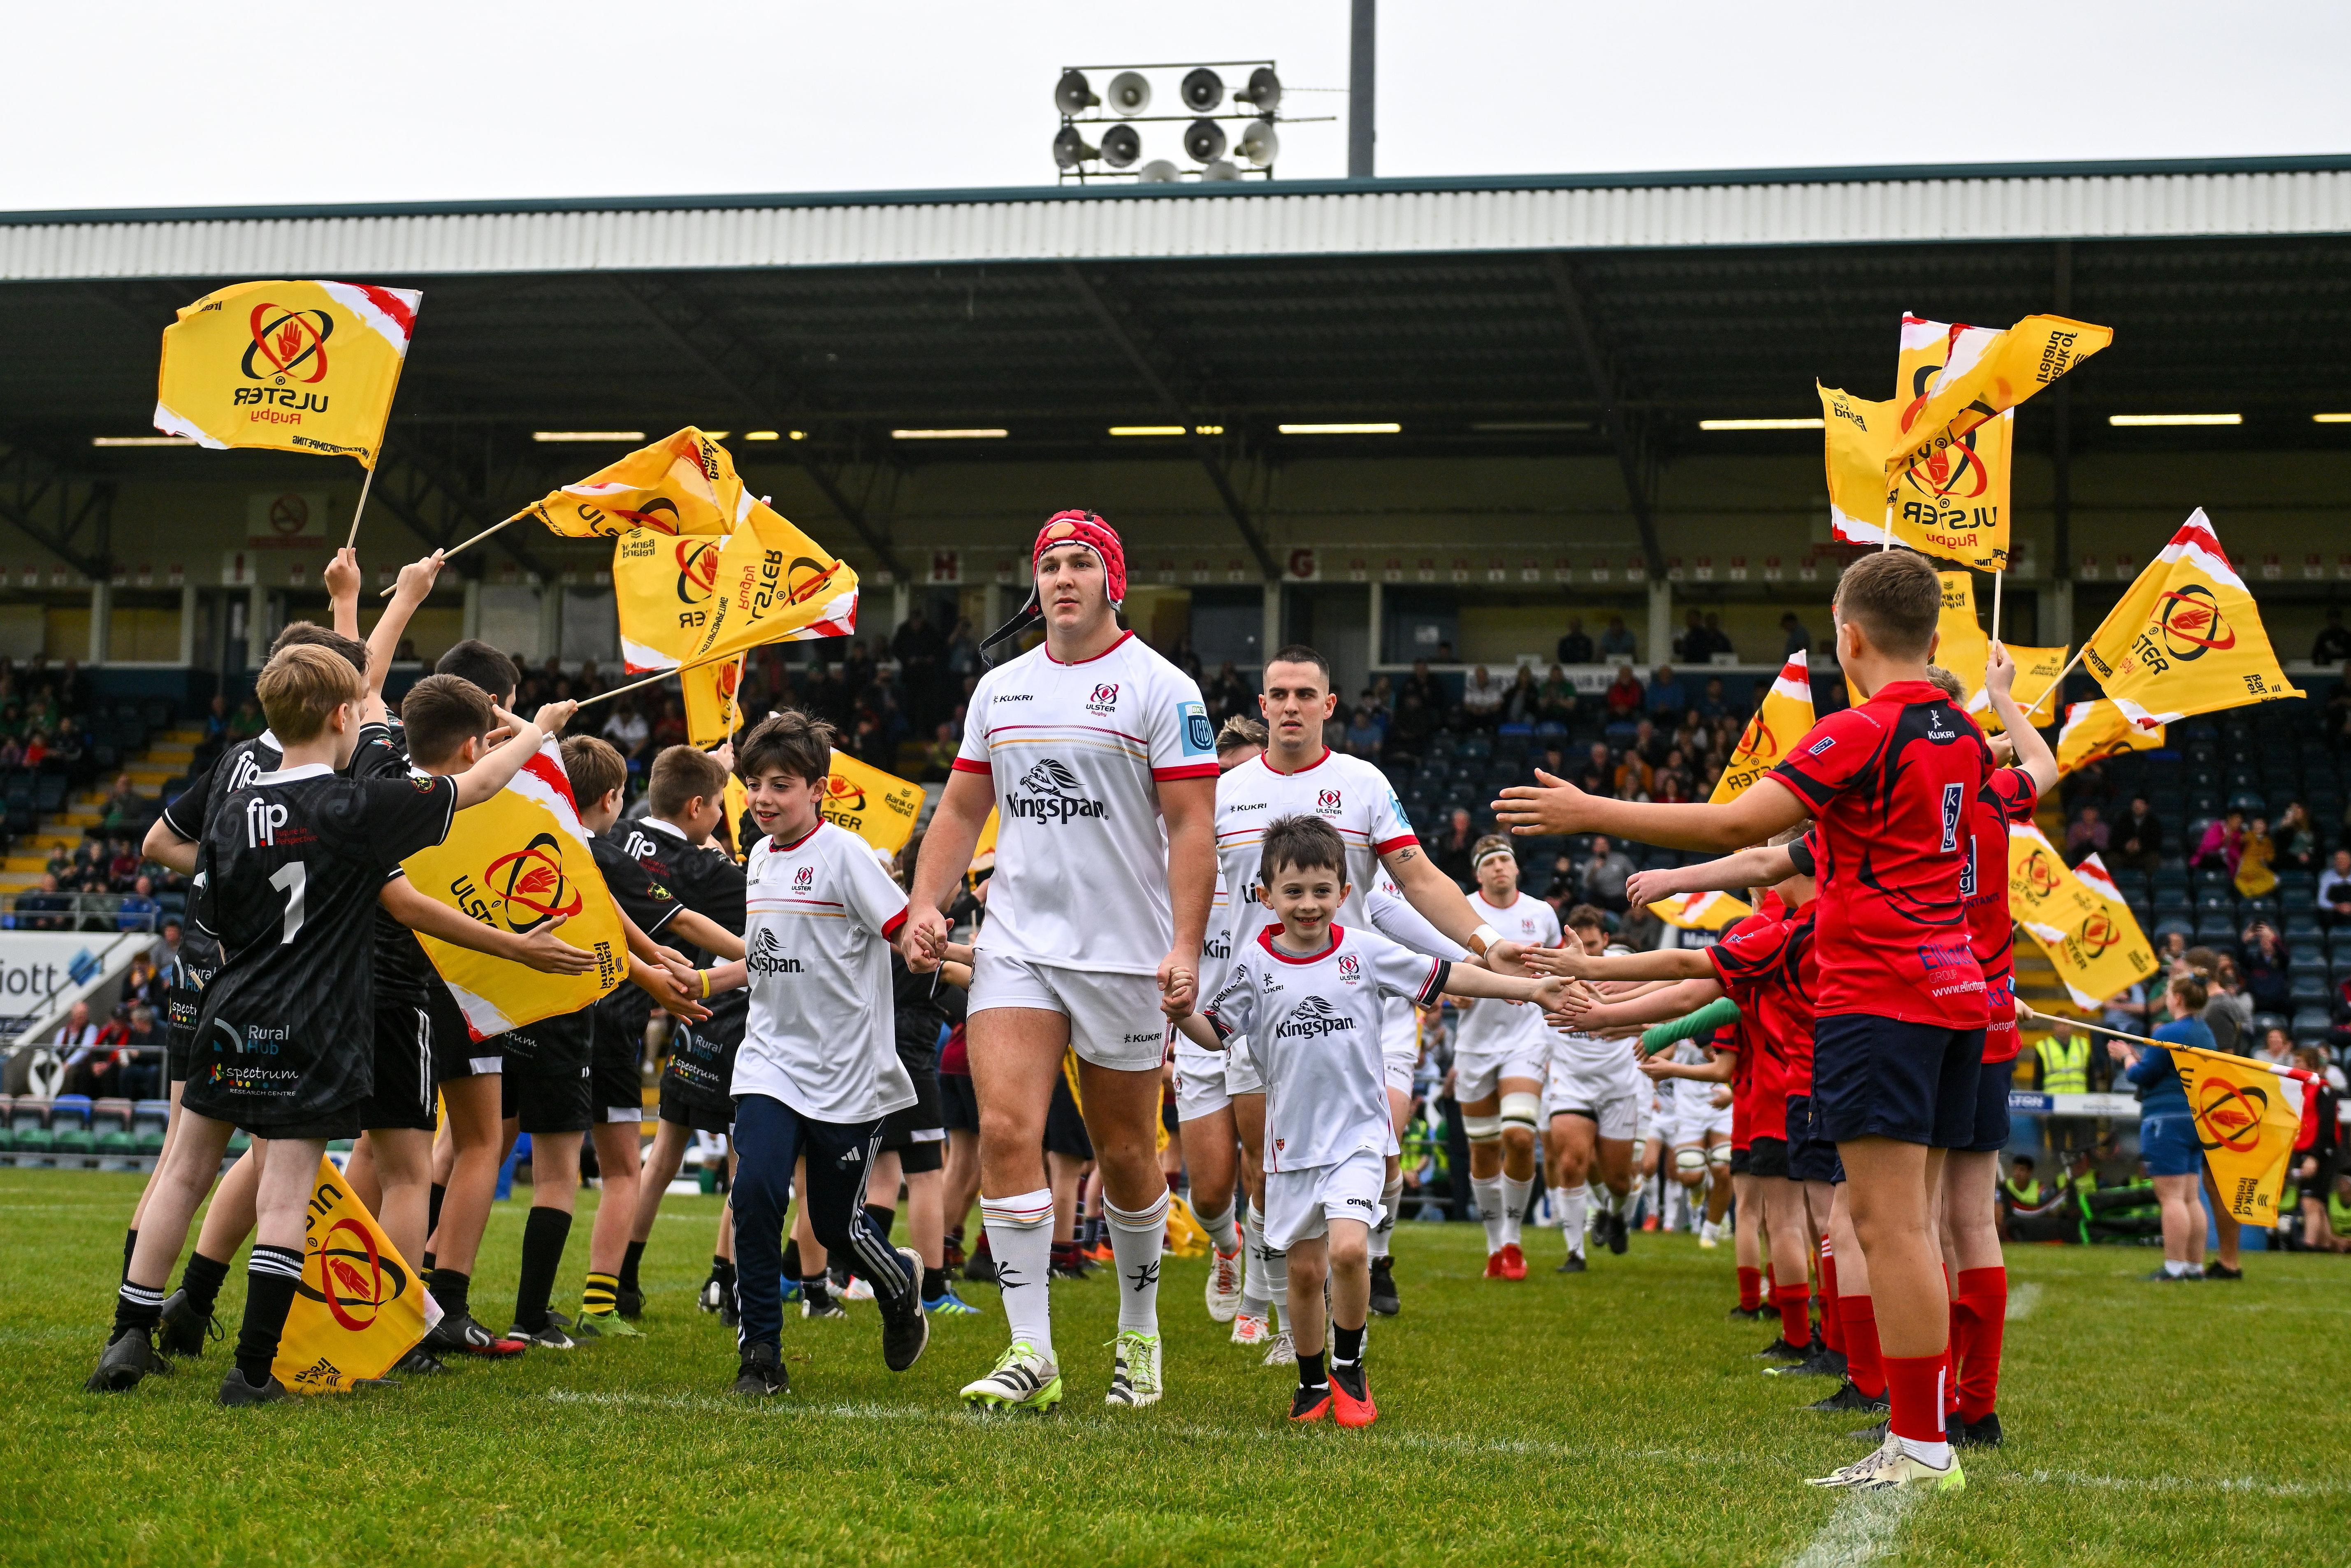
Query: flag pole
[[361, 508], [632, 686], [453, 549], [1997, 578]]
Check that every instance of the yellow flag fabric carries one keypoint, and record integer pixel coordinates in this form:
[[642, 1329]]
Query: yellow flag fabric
[[305, 367], [2096, 730], [1855, 433], [1985, 374], [1933, 509], [711, 715], [738, 801], [1962, 648], [681, 483], [2186, 638], [2078, 917], [1784, 714], [360, 1307], [982, 853], [687, 601], [878, 806], [1955, 504], [1700, 911], [1186, 1236], [514, 862], [2247, 1115], [2037, 670]]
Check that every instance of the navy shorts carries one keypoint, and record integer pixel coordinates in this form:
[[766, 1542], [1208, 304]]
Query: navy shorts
[[1811, 1157], [1742, 1162], [1992, 1079], [2167, 1144], [1880, 1078], [1767, 1157]]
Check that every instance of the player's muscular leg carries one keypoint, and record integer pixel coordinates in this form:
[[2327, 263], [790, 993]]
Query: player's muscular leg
[[1573, 1138], [1519, 1132], [1485, 1153], [1015, 1052], [475, 1141], [360, 1175], [1614, 1159], [1888, 1186], [1122, 1111], [1718, 1160]]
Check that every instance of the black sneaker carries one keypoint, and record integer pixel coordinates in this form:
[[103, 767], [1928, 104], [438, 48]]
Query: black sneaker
[[235, 1390], [1816, 1363], [1574, 1264], [905, 1327], [128, 1357], [549, 1337], [1768, 1313], [1384, 1291], [1848, 1399], [2215, 1270], [822, 1307], [1781, 1351], [461, 1334], [1983, 1434], [181, 1333], [1071, 1266], [1745, 1314], [980, 1267], [762, 1373], [1871, 1434], [1620, 1235], [630, 1303], [419, 1362]]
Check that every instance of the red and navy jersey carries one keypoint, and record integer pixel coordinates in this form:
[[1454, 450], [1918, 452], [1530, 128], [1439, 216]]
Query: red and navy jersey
[[1771, 971], [1756, 1073], [2008, 796], [1891, 786]]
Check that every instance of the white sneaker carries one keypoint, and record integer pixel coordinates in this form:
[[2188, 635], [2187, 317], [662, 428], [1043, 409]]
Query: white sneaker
[[1134, 1370], [1020, 1380], [1247, 1329], [1283, 1353], [1708, 1235], [859, 1290], [1224, 1284], [1893, 1466]]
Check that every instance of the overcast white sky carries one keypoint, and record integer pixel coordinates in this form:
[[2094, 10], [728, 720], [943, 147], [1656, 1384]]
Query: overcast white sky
[[143, 104]]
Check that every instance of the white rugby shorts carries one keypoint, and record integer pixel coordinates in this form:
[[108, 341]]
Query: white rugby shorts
[[1114, 1019], [1299, 1205], [1199, 1082], [1610, 1097], [1479, 1074]]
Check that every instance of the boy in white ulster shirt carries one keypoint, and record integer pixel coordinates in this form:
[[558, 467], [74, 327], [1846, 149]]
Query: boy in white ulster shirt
[[818, 1069], [1312, 993], [1500, 1058]]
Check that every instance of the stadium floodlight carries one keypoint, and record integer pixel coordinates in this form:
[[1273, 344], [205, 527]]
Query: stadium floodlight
[[1158, 171], [2127, 420], [1258, 145], [949, 435], [1203, 141], [1203, 90], [142, 441], [1072, 148], [1120, 146], [1263, 92], [1146, 429], [760, 435], [2330, 419], [1759, 425], [586, 436], [1221, 168], [1130, 93], [1372, 428], [1072, 96]]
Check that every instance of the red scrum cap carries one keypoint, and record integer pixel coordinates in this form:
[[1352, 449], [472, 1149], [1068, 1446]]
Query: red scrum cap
[[1086, 529]]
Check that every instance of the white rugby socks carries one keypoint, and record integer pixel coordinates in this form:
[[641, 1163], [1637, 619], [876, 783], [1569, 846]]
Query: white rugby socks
[[1572, 1202], [1391, 1197], [1020, 1236], [1224, 1232], [1488, 1192], [1516, 1190], [1138, 1237]]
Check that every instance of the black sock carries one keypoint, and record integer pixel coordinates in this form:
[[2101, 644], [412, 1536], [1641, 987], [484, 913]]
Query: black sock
[[272, 1275], [629, 1265], [883, 1218], [934, 1283], [202, 1279], [449, 1288], [722, 1271], [817, 1288], [130, 1245], [1346, 1345], [954, 1237], [1310, 1370], [137, 1309], [792, 1270], [543, 1236], [428, 1263], [433, 1211]]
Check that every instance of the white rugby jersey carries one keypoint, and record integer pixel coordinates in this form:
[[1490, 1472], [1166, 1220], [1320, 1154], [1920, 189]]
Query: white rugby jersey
[[1315, 1024], [1075, 754], [1347, 792], [820, 913], [1398, 921], [1585, 1053], [1216, 957], [1494, 1028]]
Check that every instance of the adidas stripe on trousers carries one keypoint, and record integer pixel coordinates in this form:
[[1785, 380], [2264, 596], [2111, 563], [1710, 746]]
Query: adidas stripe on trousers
[[769, 1138]]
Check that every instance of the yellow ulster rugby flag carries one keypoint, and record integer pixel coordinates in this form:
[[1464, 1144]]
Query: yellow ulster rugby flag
[[360, 1307], [1784, 714], [878, 806], [738, 801], [515, 862], [983, 852], [711, 712], [2096, 730], [2037, 670], [1962, 647], [2247, 1114], [1955, 504], [291, 366], [681, 483], [2078, 916], [688, 600], [1985, 374], [2186, 638], [1700, 911], [1855, 433]]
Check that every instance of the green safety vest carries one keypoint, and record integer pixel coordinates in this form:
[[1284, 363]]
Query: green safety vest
[[2025, 1197], [2338, 1215], [2065, 1065]]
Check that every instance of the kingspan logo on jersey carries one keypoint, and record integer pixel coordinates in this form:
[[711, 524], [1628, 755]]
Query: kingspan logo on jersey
[[1314, 1018], [766, 956], [1052, 796]]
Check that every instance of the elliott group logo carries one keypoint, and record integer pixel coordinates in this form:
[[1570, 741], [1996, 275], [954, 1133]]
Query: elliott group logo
[[522, 890], [1104, 699], [1052, 796], [1311, 1019]]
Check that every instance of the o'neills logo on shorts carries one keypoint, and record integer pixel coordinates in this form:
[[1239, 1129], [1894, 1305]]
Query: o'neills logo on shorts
[[1052, 796], [1314, 1018]]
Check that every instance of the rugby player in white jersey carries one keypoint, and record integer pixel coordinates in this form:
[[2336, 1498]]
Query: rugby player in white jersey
[[1593, 1100], [1097, 755], [1299, 776], [1500, 1056], [1204, 1109]]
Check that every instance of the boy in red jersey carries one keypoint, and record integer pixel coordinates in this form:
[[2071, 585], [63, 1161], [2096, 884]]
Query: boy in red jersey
[[1899, 1039]]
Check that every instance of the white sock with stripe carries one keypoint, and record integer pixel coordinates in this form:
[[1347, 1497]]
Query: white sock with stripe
[[1137, 1237], [1020, 1237]]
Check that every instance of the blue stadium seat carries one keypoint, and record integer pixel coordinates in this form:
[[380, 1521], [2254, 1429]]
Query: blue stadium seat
[[2306, 988], [2218, 932], [2216, 901], [2311, 1024]]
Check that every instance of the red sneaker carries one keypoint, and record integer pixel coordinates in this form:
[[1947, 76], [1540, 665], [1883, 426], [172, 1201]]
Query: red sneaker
[[1514, 1262], [1494, 1266], [1648, 1223], [1308, 1405], [1350, 1397]]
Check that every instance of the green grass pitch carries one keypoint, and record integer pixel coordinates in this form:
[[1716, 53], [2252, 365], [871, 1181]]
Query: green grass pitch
[[1616, 1417]]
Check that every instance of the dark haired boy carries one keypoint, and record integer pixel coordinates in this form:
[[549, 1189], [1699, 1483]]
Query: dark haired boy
[[1311, 995]]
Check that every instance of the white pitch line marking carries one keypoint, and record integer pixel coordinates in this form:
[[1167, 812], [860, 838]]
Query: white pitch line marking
[[2022, 1301], [1860, 1531]]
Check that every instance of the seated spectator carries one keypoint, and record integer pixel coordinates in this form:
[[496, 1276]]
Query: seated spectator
[[628, 731], [2333, 644], [1666, 695], [1481, 699], [2127, 1010], [1522, 702], [1624, 699], [47, 908], [2276, 1049], [248, 722], [121, 866], [2138, 837], [1605, 874], [142, 1054], [2334, 888], [1423, 684], [61, 863], [1598, 775], [1365, 734], [1616, 643], [2294, 842], [145, 985], [1674, 773], [1714, 701], [1692, 646], [1575, 648], [2088, 836], [1556, 703], [1452, 849], [1650, 742], [123, 809], [2170, 949], [139, 909], [2220, 844], [1718, 641], [2256, 853], [12, 755], [75, 1040], [36, 749], [1229, 694], [1415, 723], [1634, 777], [216, 720], [2264, 968], [1799, 639]]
